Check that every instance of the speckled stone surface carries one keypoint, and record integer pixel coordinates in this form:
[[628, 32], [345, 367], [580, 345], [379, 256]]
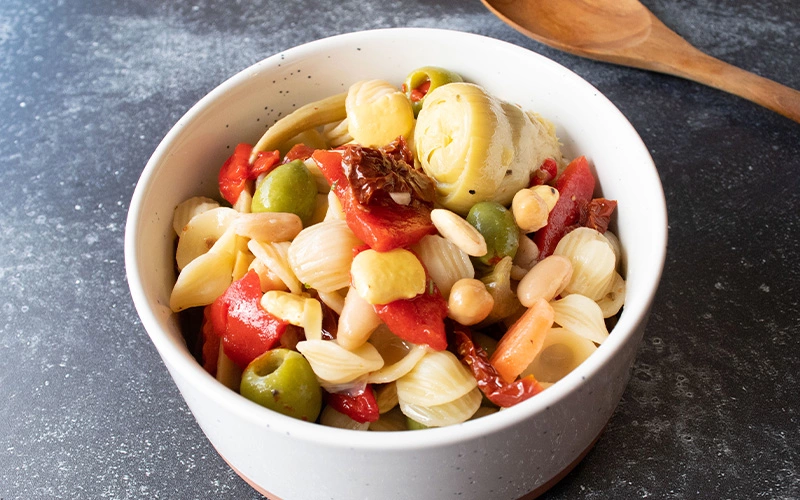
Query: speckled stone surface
[[88, 89]]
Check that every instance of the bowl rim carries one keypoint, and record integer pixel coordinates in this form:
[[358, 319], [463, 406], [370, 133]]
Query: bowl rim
[[178, 358]]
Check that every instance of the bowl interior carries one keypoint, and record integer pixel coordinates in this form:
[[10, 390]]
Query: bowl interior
[[186, 164]]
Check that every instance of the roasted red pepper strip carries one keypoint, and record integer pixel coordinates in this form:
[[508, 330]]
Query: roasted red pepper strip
[[382, 227], [362, 407], [545, 173], [265, 162], [246, 329], [575, 187], [489, 381], [233, 175], [298, 152], [419, 320], [210, 343], [236, 172]]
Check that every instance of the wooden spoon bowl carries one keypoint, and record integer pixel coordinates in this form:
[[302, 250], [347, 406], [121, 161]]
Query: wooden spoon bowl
[[625, 32]]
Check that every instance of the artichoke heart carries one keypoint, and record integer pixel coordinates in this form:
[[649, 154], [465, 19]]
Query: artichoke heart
[[479, 148]]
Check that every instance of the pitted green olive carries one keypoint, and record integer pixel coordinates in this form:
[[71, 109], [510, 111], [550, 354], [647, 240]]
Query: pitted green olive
[[413, 425], [289, 188], [496, 223], [282, 380], [423, 80]]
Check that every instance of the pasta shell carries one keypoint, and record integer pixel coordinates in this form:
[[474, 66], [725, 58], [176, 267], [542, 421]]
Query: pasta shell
[[268, 226], [582, 315], [206, 277], [321, 255], [275, 257], [201, 233], [186, 210], [611, 304], [593, 262], [357, 321], [438, 378], [386, 397], [454, 412], [333, 418], [392, 372], [336, 365], [444, 261], [561, 353], [393, 420]]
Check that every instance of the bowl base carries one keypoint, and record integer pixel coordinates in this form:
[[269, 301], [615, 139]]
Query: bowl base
[[541, 490]]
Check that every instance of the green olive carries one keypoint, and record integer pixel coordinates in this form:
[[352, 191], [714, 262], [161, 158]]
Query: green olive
[[496, 223], [413, 425], [282, 380], [289, 188], [436, 76]]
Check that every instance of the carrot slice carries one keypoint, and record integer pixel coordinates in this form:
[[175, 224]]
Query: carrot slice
[[523, 341]]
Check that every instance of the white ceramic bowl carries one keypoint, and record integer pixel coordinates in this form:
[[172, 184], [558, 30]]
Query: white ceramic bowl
[[514, 453]]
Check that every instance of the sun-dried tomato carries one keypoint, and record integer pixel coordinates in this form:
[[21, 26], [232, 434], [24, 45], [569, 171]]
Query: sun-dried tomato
[[489, 380], [597, 214]]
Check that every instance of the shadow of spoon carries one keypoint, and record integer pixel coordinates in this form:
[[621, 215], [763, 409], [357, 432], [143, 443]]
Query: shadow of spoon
[[626, 32]]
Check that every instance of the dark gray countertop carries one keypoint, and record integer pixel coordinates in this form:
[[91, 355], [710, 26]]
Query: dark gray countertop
[[89, 87]]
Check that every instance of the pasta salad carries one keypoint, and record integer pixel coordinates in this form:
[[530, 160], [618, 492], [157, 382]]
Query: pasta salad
[[396, 258]]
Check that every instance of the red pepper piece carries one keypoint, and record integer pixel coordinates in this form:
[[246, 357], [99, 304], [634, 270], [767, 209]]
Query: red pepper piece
[[361, 407], [420, 92], [233, 175], [237, 171], [575, 187], [246, 329], [211, 342], [545, 173], [419, 320], [382, 227], [299, 152], [265, 162], [489, 380]]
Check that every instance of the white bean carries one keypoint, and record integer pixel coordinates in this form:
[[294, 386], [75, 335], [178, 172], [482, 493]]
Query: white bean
[[545, 280]]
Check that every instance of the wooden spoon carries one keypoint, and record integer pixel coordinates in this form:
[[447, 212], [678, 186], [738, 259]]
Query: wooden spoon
[[626, 32]]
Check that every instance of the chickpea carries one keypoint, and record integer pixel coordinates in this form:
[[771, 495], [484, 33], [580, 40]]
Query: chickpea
[[469, 302]]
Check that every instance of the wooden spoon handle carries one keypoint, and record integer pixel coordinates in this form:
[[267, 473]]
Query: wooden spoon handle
[[772, 95], [670, 53]]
